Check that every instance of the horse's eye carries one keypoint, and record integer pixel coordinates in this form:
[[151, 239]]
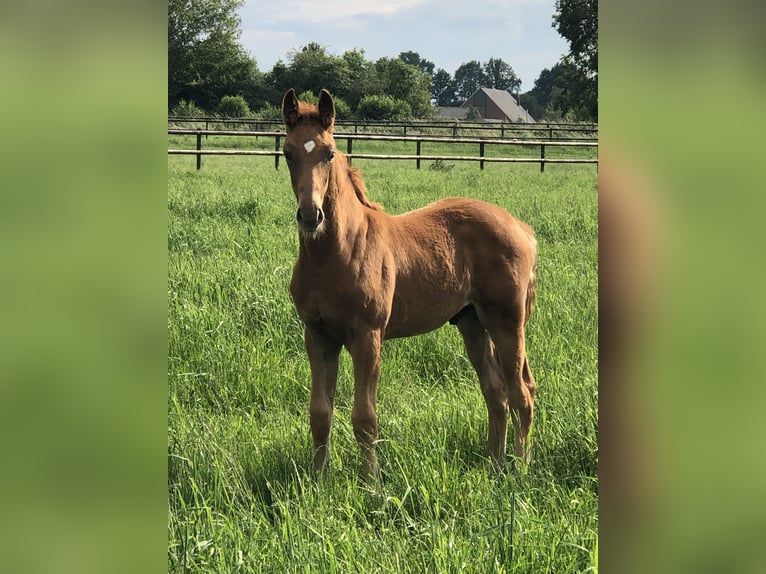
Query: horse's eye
[[288, 156], [331, 156]]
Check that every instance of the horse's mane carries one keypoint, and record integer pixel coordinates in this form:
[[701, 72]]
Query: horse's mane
[[361, 190]]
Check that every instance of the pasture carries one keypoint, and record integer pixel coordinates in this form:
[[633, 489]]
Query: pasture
[[241, 492]]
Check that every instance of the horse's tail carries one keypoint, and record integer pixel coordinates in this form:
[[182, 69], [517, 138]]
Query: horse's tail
[[530, 298]]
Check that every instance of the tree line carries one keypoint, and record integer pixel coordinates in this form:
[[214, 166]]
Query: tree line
[[209, 72]]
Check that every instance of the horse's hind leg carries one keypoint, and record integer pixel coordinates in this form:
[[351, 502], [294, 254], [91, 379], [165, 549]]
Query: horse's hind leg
[[323, 354], [506, 328], [481, 353]]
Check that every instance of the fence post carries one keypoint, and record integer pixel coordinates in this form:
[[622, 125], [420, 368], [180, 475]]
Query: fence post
[[349, 147], [417, 162], [276, 149], [542, 157], [481, 155], [199, 147]]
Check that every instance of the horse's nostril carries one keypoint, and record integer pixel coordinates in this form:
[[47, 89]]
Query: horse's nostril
[[311, 219]]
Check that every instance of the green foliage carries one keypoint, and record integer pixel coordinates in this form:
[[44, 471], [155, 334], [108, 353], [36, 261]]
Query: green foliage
[[309, 96], [241, 495], [342, 109], [469, 77], [406, 83], [186, 109], [413, 59], [362, 78], [439, 165], [270, 113], [383, 108], [501, 76], [530, 103], [233, 107], [577, 22], [443, 89], [205, 60]]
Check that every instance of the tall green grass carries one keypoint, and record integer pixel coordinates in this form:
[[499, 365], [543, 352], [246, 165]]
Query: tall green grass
[[241, 493]]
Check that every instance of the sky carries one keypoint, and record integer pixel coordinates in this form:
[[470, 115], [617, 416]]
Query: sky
[[446, 32]]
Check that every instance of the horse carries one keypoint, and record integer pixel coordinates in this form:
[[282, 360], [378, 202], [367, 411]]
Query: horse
[[363, 276]]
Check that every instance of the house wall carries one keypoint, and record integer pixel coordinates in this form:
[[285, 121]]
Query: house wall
[[493, 112]]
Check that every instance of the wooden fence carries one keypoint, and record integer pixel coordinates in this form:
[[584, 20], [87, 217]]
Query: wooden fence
[[452, 128], [418, 140]]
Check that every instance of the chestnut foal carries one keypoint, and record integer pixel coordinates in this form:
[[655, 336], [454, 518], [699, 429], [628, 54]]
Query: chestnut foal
[[363, 276]]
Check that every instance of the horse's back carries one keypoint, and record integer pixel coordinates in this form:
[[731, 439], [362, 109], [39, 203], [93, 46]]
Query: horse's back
[[468, 223], [452, 253]]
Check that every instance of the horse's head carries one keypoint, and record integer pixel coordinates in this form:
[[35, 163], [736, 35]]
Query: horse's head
[[309, 150]]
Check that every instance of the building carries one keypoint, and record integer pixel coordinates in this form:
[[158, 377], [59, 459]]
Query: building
[[451, 113], [500, 105]]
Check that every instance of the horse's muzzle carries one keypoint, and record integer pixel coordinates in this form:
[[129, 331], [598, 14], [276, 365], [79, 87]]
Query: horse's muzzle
[[309, 218]]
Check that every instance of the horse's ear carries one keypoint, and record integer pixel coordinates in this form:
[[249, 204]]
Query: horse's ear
[[290, 108], [326, 109]]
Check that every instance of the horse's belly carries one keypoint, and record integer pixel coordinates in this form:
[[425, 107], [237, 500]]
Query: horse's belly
[[419, 316]]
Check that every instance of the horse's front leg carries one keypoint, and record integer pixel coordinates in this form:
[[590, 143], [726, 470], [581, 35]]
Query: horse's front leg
[[365, 353], [323, 352]]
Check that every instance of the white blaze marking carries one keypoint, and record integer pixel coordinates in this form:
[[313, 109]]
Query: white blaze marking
[[309, 145]]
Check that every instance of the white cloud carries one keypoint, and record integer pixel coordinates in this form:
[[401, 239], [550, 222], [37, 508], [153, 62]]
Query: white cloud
[[326, 11]]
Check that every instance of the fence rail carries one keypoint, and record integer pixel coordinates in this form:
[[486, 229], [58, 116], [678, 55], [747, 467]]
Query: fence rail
[[561, 130], [418, 140]]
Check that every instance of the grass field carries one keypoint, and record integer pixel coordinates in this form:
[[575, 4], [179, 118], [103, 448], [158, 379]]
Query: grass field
[[242, 496]]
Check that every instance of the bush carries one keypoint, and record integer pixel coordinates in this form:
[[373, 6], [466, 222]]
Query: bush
[[270, 113], [309, 97], [383, 107], [184, 109], [233, 107], [342, 109]]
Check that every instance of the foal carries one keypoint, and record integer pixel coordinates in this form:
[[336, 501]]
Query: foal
[[363, 276]]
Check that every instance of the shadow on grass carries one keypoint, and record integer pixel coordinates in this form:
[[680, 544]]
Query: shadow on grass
[[275, 474]]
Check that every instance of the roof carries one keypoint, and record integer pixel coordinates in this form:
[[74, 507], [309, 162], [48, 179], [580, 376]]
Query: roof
[[452, 112], [507, 104]]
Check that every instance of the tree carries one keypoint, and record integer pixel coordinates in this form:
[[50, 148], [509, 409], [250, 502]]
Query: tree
[[542, 101], [363, 78], [577, 22], [443, 89], [530, 103], [205, 60], [351, 77], [406, 83], [469, 77], [501, 76], [414, 59], [312, 68]]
